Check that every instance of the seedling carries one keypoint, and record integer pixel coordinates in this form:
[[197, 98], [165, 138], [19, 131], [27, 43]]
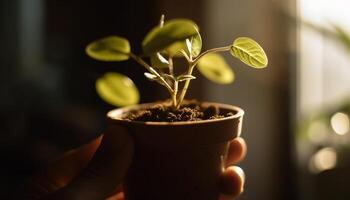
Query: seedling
[[168, 41]]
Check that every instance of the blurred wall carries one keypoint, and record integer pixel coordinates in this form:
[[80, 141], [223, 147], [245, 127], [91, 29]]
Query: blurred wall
[[263, 94]]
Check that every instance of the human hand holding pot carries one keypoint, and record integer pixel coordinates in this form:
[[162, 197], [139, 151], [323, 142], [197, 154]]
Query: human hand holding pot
[[95, 171]]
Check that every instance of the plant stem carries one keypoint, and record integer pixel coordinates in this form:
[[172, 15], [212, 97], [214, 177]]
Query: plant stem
[[219, 49], [153, 71], [171, 65], [192, 64], [187, 83], [185, 55], [174, 94]]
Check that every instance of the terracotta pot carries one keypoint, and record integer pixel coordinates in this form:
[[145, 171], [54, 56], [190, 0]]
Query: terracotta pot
[[178, 160]]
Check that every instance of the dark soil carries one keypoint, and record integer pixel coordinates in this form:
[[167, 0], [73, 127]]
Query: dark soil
[[189, 111]]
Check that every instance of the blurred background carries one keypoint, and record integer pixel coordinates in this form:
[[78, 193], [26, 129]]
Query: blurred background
[[297, 110]]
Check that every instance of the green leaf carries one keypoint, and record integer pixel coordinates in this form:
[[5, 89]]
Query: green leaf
[[185, 77], [174, 49], [249, 52], [214, 67], [111, 48], [173, 31], [117, 89], [158, 61]]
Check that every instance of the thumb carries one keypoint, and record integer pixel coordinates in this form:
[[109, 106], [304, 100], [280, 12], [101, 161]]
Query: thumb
[[105, 171]]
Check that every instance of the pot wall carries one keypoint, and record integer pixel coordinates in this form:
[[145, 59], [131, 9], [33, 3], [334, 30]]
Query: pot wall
[[179, 160]]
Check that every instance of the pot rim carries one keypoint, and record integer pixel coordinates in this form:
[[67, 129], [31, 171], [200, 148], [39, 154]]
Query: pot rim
[[114, 115]]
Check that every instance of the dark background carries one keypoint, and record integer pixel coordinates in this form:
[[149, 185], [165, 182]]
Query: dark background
[[48, 103]]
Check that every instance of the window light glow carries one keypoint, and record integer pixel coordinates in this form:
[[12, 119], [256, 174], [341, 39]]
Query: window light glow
[[340, 123], [322, 160]]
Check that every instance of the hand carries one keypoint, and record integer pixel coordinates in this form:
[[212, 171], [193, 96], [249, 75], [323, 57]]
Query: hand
[[94, 171], [232, 179]]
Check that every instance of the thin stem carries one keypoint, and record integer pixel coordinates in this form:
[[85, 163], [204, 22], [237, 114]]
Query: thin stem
[[174, 94], [153, 71], [192, 64], [171, 65], [219, 49], [185, 87], [161, 21], [185, 55]]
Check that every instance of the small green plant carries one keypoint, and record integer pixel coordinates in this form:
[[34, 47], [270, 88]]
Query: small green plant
[[168, 41]]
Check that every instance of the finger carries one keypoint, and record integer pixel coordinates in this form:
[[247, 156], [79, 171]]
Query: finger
[[118, 196], [58, 173], [236, 152], [231, 182], [105, 171]]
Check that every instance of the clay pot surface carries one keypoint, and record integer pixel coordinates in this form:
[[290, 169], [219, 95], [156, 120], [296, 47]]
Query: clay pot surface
[[178, 160]]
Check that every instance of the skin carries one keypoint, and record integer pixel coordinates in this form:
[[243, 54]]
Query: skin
[[95, 170]]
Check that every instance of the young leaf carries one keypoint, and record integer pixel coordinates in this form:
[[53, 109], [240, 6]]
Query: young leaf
[[117, 89], [112, 48], [214, 67], [249, 52], [189, 46], [194, 45], [185, 77], [150, 76], [173, 31], [153, 77], [158, 61]]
